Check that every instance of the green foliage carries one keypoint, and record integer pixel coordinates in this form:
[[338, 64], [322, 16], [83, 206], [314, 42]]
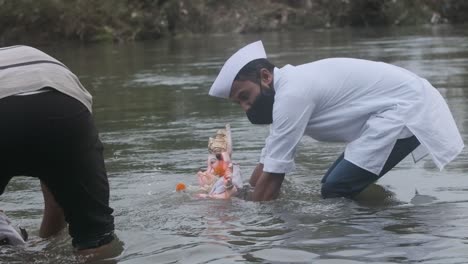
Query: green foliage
[[85, 20], [124, 20]]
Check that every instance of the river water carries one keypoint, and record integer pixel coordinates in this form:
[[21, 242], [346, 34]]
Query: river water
[[154, 116]]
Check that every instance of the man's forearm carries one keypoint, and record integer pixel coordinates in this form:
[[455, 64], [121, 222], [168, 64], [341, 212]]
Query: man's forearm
[[268, 186], [256, 174]]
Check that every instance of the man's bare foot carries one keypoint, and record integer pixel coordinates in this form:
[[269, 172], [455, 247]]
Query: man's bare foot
[[107, 251]]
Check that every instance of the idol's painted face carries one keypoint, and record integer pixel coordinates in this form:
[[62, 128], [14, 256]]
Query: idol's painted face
[[246, 92]]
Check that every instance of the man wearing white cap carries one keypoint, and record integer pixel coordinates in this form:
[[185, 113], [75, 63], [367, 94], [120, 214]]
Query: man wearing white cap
[[382, 111]]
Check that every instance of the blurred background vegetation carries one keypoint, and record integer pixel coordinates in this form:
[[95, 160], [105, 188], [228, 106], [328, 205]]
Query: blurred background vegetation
[[127, 20]]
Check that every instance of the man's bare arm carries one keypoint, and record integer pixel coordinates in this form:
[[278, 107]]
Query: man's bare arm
[[268, 186], [256, 174]]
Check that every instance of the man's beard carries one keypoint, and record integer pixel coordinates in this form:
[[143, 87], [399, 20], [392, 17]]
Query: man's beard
[[261, 111]]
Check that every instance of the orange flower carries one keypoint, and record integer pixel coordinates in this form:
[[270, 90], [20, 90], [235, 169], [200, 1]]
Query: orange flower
[[180, 187], [221, 168]]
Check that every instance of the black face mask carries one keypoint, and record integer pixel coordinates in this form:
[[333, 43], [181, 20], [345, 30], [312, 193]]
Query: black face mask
[[261, 111]]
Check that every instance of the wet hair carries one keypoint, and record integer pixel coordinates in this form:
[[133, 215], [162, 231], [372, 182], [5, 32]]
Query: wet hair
[[251, 71]]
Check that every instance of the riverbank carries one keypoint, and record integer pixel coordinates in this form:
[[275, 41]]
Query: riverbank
[[27, 21]]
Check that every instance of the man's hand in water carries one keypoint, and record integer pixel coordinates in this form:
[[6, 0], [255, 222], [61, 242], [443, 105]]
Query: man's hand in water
[[266, 185]]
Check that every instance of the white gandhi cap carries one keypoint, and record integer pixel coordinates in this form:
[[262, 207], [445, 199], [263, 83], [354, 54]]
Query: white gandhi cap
[[222, 85]]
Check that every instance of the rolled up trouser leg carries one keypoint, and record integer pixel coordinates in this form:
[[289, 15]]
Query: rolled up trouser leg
[[344, 179]]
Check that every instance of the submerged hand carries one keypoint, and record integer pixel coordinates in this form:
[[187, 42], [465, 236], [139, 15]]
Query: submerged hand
[[268, 186]]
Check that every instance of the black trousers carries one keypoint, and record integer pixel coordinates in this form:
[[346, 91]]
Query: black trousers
[[344, 179], [52, 136]]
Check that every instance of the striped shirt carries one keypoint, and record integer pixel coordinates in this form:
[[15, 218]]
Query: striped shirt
[[25, 70]]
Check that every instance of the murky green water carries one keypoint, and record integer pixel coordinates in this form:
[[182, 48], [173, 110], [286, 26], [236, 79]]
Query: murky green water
[[155, 117]]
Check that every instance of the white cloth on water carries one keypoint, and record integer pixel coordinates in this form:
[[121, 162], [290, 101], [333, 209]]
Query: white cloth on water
[[7, 231], [364, 103]]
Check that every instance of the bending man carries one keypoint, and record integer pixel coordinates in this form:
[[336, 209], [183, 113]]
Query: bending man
[[48, 132], [382, 111]]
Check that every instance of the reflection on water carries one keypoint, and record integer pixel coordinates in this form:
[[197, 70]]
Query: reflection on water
[[154, 116]]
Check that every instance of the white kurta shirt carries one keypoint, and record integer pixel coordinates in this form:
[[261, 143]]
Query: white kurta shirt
[[364, 103]]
